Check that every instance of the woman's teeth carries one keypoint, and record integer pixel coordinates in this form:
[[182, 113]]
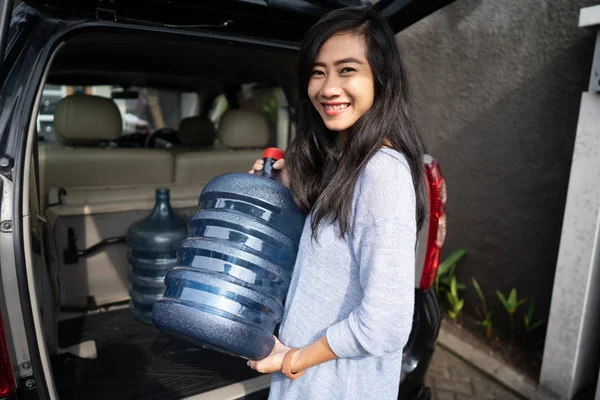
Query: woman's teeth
[[336, 107]]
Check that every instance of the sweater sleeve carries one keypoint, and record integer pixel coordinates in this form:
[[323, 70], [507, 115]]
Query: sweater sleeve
[[383, 242]]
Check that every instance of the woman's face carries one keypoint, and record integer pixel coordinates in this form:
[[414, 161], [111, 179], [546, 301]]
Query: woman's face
[[341, 85]]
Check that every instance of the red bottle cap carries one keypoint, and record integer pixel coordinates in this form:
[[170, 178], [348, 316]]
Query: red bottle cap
[[274, 153]]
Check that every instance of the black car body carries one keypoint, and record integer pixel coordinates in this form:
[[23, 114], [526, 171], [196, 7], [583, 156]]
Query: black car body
[[32, 331]]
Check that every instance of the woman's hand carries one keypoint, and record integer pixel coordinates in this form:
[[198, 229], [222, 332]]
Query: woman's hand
[[273, 362], [280, 164]]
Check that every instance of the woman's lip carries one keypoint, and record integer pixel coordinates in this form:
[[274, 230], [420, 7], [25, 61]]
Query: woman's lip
[[334, 112]]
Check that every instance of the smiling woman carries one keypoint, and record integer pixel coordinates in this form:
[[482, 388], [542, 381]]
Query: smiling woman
[[351, 84], [341, 85], [349, 309]]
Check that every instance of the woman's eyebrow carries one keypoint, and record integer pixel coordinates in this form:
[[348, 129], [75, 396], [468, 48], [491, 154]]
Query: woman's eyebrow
[[338, 62], [347, 61]]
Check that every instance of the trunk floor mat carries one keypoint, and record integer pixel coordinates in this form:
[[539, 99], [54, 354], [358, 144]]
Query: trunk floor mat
[[136, 361]]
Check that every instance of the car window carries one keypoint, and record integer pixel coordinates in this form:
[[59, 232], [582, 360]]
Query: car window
[[263, 98], [272, 103], [142, 109], [218, 108]]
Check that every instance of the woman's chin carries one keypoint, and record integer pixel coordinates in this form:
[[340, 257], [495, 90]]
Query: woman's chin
[[337, 126]]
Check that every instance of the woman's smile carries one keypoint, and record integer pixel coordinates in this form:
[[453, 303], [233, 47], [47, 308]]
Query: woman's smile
[[333, 109]]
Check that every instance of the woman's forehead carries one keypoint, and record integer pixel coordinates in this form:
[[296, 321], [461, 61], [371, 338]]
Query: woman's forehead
[[342, 46]]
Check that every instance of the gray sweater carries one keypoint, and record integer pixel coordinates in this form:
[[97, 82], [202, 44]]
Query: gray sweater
[[359, 291]]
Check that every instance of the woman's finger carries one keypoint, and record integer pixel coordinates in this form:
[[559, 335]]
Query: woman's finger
[[279, 164], [258, 165]]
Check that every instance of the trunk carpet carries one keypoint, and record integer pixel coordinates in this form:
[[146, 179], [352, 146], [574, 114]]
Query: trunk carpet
[[136, 361]]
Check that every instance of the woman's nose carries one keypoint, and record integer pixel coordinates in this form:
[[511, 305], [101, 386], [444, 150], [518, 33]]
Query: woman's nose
[[331, 87]]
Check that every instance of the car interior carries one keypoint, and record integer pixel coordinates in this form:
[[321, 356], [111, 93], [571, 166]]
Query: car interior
[[204, 108]]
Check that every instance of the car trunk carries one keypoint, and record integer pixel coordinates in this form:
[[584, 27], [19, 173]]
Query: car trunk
[[97, 349], [136, 360]]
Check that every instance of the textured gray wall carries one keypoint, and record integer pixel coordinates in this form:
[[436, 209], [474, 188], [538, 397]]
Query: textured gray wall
[[496, 86]]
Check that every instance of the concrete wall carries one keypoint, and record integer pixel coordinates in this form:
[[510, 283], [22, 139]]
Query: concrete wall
[[497, 87]]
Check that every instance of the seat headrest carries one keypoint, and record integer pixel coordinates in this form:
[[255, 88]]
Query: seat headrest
[[243, 129], [197, 131], [86, 119]]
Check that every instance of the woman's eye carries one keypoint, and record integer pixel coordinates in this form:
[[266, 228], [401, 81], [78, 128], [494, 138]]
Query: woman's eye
[[316, 72], [346, 70]]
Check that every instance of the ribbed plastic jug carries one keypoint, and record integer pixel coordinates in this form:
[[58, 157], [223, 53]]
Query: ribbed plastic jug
[[234, 269], [153, 243]]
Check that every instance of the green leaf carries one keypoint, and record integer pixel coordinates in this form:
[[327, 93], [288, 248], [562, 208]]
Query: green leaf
[[452, 314], [534, 326], [452, 259], [503, 300], [459, 305], [443, 269], [529, 313], [450, 299], [445, 281], [521, 302], [461, 286], [480, 294], [452, 270], [512, 298], [453, 287], [487, 321], [478, 289], [528, 317]]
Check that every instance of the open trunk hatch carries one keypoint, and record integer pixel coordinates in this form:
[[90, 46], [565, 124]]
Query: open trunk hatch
[[281, 20]]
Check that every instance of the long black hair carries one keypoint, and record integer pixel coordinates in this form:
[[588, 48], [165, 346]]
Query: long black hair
[[321, 180]]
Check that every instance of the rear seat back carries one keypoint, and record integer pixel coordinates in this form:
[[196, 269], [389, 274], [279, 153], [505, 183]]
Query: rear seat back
[[242, 137], [196, 132], [81, 123]]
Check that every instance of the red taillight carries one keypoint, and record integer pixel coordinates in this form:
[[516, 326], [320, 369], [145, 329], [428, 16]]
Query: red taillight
[[436, 187], [7, 380]]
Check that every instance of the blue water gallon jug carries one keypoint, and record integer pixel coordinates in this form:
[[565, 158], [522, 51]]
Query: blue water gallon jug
[[153, 244], [234, 269]]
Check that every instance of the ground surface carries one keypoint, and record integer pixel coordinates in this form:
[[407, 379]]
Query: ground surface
[[451, 378]]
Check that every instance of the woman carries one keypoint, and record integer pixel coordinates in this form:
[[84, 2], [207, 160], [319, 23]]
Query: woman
[[349, 309]]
